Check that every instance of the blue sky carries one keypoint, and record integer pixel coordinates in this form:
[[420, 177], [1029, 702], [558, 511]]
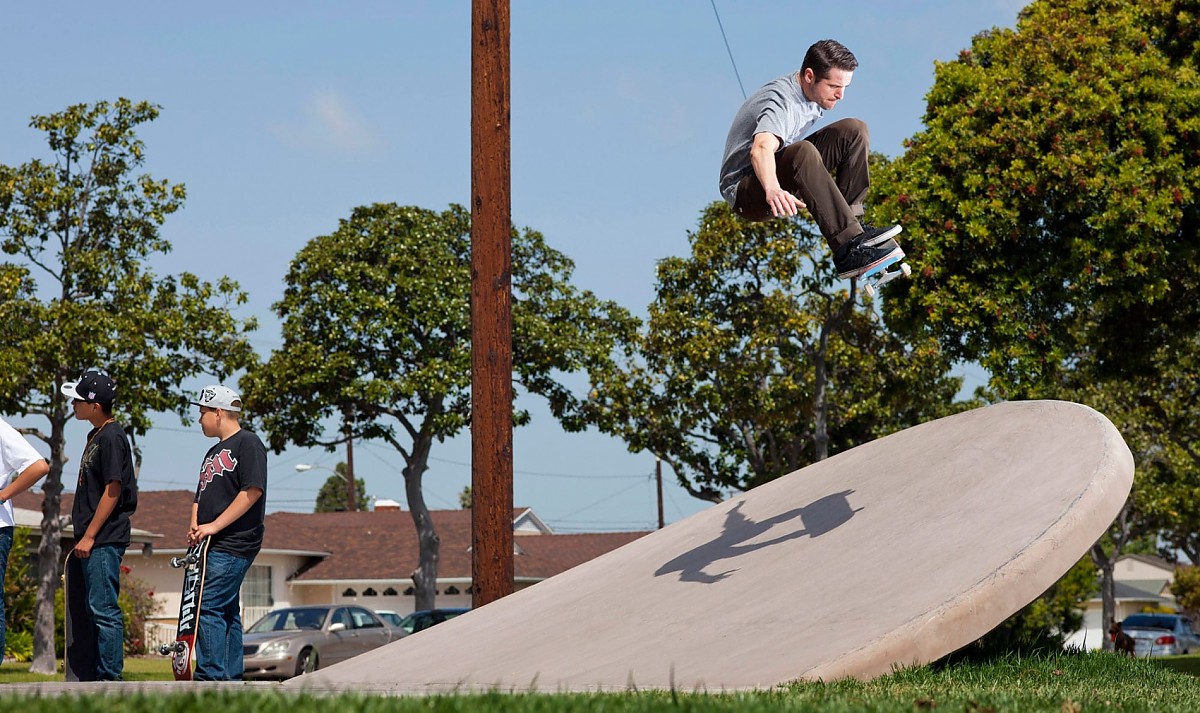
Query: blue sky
[[280, 117]]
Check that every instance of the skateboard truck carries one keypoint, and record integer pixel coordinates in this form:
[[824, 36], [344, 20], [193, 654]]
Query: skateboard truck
[[884, 273], [175, 647], [189, 558]]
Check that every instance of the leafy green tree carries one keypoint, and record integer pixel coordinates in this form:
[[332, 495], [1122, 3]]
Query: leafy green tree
[[757, 361], [332, 496], [377, 340], [1050, 206], [77, 294], [1186, 588]]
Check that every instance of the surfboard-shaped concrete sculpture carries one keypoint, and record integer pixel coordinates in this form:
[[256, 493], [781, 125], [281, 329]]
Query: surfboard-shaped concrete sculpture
[[894, 553]]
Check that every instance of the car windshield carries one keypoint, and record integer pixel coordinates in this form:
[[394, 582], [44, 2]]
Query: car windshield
[[421, 620], [1150, 621], [291, 620]]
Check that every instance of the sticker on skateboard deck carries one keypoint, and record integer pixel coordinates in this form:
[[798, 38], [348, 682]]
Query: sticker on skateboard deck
[[180, 650]]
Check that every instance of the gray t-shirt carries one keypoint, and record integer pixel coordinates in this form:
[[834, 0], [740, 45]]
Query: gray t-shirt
[[779, 108]]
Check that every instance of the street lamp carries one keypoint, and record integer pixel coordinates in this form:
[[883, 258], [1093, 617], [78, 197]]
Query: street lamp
[[351, 499]]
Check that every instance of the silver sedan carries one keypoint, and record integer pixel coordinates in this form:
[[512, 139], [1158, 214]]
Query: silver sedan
[[297, 640]]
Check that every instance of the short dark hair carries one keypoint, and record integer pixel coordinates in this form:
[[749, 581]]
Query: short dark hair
[[826, 55]]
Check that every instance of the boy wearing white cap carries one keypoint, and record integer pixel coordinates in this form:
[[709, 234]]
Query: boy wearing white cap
[[230, 508]]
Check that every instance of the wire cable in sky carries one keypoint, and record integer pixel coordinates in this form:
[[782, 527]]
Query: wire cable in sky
[[723, 37]]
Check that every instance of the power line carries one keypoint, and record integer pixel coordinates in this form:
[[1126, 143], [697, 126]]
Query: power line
[[534, 473], [726, 39]]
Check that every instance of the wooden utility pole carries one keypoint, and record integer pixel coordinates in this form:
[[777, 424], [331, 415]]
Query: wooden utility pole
[[491, 305], [658, 479], [351, 494]]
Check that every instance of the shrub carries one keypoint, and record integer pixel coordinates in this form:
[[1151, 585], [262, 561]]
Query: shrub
[[137, 605], [20, 586], [18, 645]]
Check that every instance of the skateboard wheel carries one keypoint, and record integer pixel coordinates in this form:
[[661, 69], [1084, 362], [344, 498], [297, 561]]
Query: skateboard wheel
[[869, 289], [905, 269]]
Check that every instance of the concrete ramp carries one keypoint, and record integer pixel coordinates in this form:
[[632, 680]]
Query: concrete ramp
[[893, 553]]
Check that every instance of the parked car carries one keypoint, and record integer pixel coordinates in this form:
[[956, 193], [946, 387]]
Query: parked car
[[425, 618], [296, 640], [390, 617], [1161, 634]]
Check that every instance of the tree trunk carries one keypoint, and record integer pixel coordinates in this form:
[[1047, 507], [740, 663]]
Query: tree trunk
[[820, 399], [425, 575], [1107, 596], [45, 660], [1120, 534]]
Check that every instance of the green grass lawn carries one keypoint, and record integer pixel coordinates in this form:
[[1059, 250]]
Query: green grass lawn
[[1067, 683], [147, 668]]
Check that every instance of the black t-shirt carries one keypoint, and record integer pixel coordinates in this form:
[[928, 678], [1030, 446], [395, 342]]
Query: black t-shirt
[[106, 458], [233, 465]]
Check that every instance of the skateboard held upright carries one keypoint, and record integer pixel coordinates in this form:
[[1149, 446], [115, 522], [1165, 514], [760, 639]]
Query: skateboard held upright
[[79, 637], [180, 650]]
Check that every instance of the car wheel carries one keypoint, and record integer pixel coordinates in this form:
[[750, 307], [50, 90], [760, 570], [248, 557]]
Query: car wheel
[[306, 662]]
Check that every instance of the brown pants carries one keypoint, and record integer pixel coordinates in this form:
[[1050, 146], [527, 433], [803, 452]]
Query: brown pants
[[807, 170]]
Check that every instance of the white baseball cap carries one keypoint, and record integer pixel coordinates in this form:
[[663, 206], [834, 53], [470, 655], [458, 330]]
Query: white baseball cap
[[217, 396]]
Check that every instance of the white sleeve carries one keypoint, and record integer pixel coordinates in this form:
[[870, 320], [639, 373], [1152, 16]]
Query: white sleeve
[[16, 453]]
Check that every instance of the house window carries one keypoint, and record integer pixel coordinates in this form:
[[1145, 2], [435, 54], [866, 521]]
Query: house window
[[256, 588], [452, 589], [370, 592], [349, 593], [390, 592]]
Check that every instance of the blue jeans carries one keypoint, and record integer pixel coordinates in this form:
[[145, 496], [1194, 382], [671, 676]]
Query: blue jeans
[[102, 580], [219, 636], [6, 538]]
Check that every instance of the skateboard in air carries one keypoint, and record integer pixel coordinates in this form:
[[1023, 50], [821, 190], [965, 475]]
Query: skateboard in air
[[180, 650], [79, 637], [884, 273]]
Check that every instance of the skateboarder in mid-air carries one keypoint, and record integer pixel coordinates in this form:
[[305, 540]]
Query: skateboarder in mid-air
[[770, 172]]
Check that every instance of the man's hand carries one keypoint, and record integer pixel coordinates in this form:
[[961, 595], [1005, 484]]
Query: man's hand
[[783, 203], [83, 548], [200, 532], [762, 160]]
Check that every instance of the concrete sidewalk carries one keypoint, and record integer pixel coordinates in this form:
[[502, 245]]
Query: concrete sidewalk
[[893, 553]]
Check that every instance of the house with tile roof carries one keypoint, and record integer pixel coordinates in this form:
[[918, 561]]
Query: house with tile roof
[[363, 558], [1140, 583]]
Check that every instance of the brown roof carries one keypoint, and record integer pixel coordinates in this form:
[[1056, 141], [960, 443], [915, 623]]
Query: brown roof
[[377, 545], [383, 545], [165, 512]]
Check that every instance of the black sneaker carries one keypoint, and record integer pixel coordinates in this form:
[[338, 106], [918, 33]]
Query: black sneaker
[[879, 234], [859, 255]]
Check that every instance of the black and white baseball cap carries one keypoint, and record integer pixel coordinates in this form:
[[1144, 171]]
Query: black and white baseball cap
[[217, 396], [93, 388]]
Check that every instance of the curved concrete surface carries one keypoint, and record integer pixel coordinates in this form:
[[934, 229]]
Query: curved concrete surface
[[893, 553]]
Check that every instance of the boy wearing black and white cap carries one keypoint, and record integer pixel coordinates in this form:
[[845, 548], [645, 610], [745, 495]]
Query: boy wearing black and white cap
[[105, 498], [230, 507]]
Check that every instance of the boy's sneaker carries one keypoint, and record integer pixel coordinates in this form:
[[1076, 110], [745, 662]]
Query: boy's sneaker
[[879, 235], [865, 251]]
